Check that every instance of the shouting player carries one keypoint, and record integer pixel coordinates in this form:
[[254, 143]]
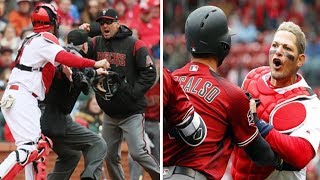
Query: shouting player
[[289, 109]]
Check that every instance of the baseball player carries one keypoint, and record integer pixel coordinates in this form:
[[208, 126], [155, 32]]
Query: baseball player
[[128, 57], [223, 106], [29, 81], [288, 112]]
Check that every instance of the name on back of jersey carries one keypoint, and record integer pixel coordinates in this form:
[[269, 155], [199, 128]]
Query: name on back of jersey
[[202, 88]]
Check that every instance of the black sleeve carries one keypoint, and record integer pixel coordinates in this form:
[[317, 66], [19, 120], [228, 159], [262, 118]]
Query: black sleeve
[[146, 72], [91, 48], [94, 29], [260, 152]]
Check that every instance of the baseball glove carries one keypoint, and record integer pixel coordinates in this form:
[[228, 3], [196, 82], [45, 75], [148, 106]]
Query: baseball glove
[[106, 85]]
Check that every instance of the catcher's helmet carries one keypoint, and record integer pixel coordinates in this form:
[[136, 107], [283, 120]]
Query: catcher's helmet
[[207, 32], [106, 85], [44, 17]]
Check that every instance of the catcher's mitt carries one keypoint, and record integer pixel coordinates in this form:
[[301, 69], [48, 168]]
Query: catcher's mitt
[[106, 85]]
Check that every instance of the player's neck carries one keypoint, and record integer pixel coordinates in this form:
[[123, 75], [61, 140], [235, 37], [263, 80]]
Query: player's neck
[[280, 83], [211, 63]]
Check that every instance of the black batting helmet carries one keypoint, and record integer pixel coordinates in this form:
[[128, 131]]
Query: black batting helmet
[[207, 32]]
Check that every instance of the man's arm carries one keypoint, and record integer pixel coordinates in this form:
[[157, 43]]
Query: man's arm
[[146, 71], [294, 150], [260, 152]]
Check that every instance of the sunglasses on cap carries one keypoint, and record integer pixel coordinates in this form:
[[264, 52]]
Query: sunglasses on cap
[[108, 22]]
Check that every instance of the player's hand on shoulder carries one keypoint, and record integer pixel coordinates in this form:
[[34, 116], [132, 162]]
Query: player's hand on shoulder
[[102, 64], [85, 26]]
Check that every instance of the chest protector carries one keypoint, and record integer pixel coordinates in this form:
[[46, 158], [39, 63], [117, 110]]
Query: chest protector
[[276, 109]]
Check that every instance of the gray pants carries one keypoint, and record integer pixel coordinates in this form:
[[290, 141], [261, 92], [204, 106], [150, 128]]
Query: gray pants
[[153, 132], [132, 129], [78, 140], [181, 173]]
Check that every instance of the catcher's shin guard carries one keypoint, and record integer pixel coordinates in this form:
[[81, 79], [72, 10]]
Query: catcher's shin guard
[[44, 146], [19, 158], [40, 169], [15, 162]]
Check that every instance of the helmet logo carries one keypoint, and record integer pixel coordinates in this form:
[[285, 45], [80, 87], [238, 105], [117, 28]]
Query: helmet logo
[[104, 12]]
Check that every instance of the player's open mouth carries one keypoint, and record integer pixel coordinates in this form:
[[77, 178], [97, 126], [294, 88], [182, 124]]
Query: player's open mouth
[[277, 63], [106, 31]]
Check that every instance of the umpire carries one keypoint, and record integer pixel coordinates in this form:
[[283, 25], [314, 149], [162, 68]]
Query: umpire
[[130, 58], [69, 138]]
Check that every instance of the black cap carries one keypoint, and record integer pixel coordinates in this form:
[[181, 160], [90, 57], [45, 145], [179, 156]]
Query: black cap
[[77, 37], [107, 14]]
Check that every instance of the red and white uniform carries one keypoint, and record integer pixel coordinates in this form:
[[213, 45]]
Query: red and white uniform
[[224, 108], [293, 111], [27, 87]]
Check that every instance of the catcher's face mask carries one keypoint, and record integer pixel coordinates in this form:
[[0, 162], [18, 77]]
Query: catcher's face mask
[[106, 85]]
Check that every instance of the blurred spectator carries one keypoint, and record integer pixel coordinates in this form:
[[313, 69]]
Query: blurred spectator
[[244, 27], [313, 47], [10, 39], [80, 5], [66, 20], [103, 4], [132, 11], [90, 12], [120, 7], [74, 12], [92, 114], [3, 20], [148, 29], [155, 9], [20, 18], [6, 61]]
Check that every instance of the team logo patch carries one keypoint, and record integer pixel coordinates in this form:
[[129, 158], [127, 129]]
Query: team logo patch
[[149, 61], [194, 68]]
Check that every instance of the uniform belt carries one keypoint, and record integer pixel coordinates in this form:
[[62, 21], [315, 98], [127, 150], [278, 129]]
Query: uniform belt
[[185, 170], [16, 87], [27, 68]]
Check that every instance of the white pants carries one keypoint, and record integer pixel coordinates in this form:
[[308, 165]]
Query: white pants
[[23, 119]]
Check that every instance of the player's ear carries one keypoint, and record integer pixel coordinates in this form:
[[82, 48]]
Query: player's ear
[[301, 60]]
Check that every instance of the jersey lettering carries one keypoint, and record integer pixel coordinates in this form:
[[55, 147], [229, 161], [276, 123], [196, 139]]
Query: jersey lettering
[[187, 88], [117, 59], [204, 90], [194, 91], [213, 93], [207, 91]]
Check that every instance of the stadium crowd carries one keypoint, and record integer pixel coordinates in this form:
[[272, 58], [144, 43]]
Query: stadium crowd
[[254, 23]]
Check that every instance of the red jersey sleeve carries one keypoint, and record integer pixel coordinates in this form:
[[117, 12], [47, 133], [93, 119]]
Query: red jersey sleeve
[[177, 106], [243, 128], [71, 60]]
